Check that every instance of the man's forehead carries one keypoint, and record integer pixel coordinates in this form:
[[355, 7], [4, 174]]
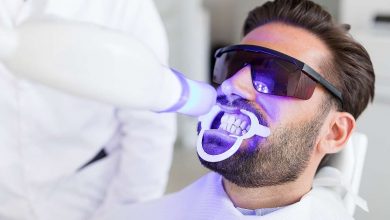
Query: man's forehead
[[293, 41]]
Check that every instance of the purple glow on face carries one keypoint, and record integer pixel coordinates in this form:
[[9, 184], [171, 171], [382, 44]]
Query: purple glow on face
[[230, 125], [272, 110]]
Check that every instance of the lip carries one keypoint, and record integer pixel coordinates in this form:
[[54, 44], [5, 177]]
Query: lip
[[237, 105], [229, 109]]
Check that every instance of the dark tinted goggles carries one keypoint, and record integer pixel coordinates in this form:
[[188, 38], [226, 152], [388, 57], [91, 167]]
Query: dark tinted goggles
[[272, 72]]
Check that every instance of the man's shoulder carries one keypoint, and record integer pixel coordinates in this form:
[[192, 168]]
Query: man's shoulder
[[206, 199], [180, 205], [195, 192], [322, 200], [319, 204]]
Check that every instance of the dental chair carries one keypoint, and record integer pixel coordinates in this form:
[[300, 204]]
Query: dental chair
[[343, 171]]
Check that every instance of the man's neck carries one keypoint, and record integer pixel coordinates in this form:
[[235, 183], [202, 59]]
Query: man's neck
[[269, 196]]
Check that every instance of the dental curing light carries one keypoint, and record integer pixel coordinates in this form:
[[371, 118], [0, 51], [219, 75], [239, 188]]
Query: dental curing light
[[100, 63]]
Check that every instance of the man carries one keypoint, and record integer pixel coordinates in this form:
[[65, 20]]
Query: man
[[52, 144], [302, 81]]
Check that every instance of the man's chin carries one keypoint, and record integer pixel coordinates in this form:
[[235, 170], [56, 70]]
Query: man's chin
[[223, 168], [239, 167]]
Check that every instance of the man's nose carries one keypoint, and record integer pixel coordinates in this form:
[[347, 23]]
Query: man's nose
[[240, 84]]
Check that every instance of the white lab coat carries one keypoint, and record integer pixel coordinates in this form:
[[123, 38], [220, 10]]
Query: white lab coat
[[47, 135], [206, 199]]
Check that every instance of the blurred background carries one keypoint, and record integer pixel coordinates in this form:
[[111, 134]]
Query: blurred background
[[197, 27]]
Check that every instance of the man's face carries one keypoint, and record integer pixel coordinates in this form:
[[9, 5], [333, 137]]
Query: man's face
[[294, 123]]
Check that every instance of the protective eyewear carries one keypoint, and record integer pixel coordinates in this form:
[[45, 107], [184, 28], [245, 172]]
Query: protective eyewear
[[272, 72]]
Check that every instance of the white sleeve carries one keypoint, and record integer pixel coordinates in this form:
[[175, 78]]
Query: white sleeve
[[145, 159], [148, 137]]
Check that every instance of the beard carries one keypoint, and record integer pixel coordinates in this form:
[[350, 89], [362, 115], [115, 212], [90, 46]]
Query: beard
[[275, 160]]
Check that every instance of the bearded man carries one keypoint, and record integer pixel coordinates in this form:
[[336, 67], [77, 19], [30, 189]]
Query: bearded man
[[289, 95]]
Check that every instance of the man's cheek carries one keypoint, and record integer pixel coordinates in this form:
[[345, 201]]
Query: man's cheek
[[252, 145]]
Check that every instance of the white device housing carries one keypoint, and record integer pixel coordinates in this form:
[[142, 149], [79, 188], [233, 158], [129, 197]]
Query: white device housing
[[100, 63]]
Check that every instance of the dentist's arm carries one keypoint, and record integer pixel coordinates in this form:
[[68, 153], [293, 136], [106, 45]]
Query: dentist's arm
[[100, 63], [148, 138]]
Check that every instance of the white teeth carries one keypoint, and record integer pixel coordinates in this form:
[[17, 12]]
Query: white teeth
[[229, 127], [231, 119], [238, 131], [233, 130], [237, 123], [224, 118], [223, 126], [243, 125], [234, 124]]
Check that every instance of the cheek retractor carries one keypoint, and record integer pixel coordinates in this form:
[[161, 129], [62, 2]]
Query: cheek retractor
[[206, 121]]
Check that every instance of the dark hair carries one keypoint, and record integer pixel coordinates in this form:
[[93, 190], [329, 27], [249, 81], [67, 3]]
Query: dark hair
[[349, 67]]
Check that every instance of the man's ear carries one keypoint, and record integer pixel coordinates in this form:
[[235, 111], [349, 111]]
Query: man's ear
[[340, 126]]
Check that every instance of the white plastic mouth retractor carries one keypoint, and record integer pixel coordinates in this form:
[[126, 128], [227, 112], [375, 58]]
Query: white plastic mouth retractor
[[206, 122]]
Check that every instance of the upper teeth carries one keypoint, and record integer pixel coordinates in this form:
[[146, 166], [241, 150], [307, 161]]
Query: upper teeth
[[235, 123]]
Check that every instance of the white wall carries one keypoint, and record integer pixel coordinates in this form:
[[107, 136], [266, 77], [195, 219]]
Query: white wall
[[227, 18], [375, 180], [375, 121], [360, 13]]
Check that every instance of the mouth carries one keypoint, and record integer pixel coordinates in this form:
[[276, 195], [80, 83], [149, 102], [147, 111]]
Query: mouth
[[231, 122], [228, 125], [223, 130]]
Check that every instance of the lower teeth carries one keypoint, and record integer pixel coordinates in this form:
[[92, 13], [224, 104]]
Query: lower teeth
[[234, 131]]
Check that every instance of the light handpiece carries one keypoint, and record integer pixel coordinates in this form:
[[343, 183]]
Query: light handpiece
[[100, 63]]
